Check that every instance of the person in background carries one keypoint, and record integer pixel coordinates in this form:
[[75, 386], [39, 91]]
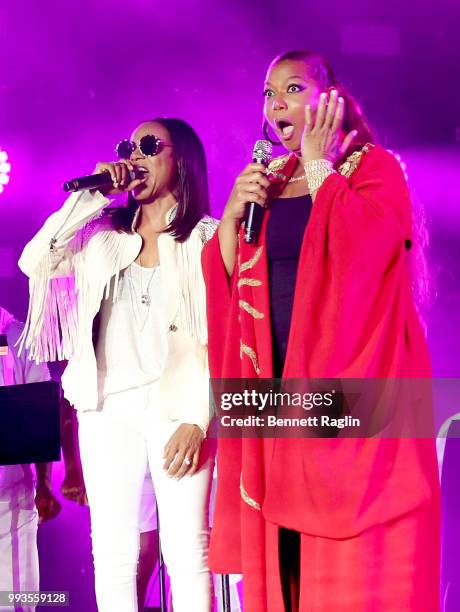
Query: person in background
[[25, 501]]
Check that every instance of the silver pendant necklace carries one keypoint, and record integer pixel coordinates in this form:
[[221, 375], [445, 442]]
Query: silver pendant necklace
[[146, 298]]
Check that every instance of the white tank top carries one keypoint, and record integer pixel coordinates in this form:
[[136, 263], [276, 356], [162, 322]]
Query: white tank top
[[132, 344]]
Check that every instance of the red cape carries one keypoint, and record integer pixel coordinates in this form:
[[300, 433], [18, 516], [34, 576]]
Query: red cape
[[353, 316]]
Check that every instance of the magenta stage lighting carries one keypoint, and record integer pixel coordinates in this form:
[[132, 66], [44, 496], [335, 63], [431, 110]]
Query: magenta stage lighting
[[5, 168]]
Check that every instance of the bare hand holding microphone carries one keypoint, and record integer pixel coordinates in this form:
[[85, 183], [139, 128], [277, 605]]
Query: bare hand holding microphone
[[250, 186], [248, 200], [110, 178]]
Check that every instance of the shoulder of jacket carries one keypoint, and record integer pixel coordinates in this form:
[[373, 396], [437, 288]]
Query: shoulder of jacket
[[353, 161], [207, 227], [94, 228], [277, 163], [375, 152]]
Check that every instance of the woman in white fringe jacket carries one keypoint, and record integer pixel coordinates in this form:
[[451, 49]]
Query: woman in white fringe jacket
[[142, 394]]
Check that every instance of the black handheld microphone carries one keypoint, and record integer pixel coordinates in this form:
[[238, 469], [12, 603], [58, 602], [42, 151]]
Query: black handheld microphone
[[94, 181], [254, 212]]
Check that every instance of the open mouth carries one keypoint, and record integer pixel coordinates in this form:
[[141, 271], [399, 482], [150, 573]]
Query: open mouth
[[286, 128], [140, 171]]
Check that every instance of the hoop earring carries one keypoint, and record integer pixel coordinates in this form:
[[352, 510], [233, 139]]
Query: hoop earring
[[275, 143]]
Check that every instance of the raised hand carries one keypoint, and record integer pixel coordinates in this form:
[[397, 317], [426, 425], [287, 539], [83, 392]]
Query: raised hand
[[323, 137]]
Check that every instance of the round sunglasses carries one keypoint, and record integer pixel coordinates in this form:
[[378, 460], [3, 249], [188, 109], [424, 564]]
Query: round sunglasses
[[149, 145]]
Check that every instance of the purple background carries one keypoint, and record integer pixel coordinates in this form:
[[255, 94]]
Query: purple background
[[76, 77]]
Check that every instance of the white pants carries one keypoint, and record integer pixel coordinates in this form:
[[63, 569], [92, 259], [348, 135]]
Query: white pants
[[18, 533], [117, 444], [148, 522]]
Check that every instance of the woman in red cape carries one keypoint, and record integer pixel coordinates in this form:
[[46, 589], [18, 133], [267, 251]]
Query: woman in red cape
[[321, 525]]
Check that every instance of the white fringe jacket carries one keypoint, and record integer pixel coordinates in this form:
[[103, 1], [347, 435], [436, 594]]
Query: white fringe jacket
[[71, 263]]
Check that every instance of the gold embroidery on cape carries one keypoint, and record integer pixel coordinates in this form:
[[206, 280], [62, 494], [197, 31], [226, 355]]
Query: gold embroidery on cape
[[239, 265], [278, 162], [245, 497], [252, 282], [247, 350], [247, 265], [251, 310], [352, 161]]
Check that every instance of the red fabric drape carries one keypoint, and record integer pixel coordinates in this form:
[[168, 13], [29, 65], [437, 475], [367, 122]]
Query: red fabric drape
[[353, 317]]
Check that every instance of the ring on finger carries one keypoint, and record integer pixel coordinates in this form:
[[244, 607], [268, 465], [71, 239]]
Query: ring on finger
[[187, 461]]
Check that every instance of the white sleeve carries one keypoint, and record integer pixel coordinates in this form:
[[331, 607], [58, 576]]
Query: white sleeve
[[57, 241], [50, 261], [441, 440]]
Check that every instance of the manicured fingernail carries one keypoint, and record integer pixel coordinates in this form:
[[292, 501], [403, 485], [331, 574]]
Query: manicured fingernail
[[341, 99], [323, 95]]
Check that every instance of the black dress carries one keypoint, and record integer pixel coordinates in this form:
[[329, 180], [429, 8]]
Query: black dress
[[285, 229]]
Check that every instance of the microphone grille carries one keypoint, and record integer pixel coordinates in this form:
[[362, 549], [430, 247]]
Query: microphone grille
[[263, 151]]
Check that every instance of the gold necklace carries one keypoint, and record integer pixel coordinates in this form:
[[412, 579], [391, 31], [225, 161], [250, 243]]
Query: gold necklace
[[295, 179]]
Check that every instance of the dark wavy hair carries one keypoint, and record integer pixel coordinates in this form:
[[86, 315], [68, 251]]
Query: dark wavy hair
[[321, 72], [191, 187]]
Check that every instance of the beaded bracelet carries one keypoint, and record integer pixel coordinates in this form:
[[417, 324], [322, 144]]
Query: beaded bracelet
[[317, 171]]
